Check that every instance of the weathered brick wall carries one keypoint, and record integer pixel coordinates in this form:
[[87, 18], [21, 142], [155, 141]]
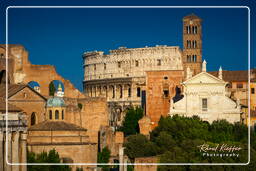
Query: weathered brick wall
[[157, 104]]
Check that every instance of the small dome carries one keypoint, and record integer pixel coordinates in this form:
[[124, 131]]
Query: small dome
[[55, 102]]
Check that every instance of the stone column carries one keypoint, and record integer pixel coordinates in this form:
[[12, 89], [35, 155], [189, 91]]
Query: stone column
[[2, 151], [15, 150], [121, 158], [23, 151]]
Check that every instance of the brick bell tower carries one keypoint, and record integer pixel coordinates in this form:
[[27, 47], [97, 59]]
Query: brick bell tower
[[192, 44]]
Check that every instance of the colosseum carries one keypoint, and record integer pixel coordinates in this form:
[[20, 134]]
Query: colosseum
[[120, 76]]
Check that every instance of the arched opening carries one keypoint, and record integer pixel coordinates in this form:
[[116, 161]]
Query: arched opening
[[105, 91], [129, 91], [55, 86], [35, 85], [62, 114], [120, 91], [50, 114], [112, 91], [56, 114], [33, 119]]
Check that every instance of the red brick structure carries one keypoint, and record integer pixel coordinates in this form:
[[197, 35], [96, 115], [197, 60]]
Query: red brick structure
[[160, 89], [192, 43]]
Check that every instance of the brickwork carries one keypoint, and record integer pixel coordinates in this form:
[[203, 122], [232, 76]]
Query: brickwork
[[192, 43], [160, 89]]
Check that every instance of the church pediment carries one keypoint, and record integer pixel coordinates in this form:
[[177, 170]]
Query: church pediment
[[24, 92], [204, 77]]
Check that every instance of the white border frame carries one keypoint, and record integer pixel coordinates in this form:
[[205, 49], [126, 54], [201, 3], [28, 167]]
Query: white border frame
[[121, 164]]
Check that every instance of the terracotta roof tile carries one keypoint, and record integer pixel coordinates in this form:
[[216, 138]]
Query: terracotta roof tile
[[230, 76], [56, 126]]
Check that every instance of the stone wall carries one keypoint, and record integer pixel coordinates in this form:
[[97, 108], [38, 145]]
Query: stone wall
[[160, 90], [93, 115]]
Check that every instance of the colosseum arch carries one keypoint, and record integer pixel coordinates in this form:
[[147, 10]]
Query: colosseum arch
[[119, 91], [105, 91]]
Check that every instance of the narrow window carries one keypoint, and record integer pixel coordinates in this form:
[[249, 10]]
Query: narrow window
[[195, 58], [195, 45], [252, 90], [138, 92], [33, 118], [50, 114], [136, 63], [56, 114], [187, 30], [119, 64], [94, 67], [105, 66], [195, 30], [158, 62], [204, 104], [166, 93], [187, 58], [62, 114]]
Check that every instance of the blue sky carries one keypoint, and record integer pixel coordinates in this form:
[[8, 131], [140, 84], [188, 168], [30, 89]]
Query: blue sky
[[60, 36]]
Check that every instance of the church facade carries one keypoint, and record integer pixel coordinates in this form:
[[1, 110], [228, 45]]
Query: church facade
[[205, 95]]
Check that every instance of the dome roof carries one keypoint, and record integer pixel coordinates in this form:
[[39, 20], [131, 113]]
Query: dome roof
[[55, 102]]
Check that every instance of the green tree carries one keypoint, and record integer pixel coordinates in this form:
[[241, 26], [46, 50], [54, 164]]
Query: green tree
[[103, 157], [130, 125], [52, 89], [44, 157], [139, 146], [176, 139]]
